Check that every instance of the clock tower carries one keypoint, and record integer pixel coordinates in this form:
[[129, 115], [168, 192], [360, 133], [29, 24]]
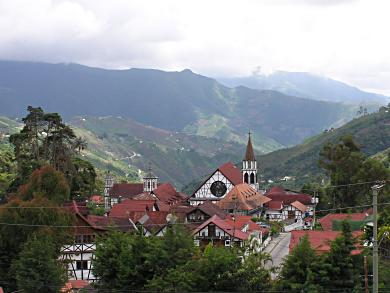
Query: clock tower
[[249, 166]]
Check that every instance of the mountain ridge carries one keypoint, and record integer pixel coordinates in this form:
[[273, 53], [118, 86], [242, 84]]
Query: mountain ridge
[[174, 101]]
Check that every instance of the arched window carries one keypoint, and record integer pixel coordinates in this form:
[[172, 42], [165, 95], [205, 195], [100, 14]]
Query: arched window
[[246, 177], [252, 178], [148, 185]]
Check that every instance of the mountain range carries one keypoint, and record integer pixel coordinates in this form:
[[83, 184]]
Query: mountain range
[[174, 101], [307, 85]]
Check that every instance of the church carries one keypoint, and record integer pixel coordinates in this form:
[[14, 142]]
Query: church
[[226, 177]]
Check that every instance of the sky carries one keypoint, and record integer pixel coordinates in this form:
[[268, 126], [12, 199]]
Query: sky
[[348, 40]]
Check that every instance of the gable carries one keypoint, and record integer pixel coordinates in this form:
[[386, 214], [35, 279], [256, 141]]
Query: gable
[[204, 191]]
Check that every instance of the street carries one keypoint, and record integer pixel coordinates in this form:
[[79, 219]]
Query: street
[[278, 249]]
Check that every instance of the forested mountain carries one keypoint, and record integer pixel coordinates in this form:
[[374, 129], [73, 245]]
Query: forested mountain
[[173, 101], [371, 132], [307, 85]]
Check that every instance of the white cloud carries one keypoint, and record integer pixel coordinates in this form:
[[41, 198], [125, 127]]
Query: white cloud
[[346, 40]]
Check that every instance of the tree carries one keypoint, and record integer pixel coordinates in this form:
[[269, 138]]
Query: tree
[[45, 182], [130, 261], [37, 268], [122, 261], [342, 270], [24, 218], [252, 274], [347, 167], [46, 140], [298, 273]]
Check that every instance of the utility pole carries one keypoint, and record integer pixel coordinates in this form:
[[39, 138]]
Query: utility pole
[[365, 275], [375, 281]]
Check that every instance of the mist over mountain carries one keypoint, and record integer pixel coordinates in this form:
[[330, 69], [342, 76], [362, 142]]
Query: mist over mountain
[[306, 85], [175, 101]]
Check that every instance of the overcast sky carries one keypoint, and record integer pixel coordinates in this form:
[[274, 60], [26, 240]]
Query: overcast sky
[[347, 40]]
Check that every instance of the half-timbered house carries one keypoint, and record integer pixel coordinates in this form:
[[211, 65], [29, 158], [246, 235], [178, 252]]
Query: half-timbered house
[[78, 255]]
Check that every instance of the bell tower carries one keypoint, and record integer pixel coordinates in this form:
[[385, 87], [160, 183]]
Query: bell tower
[[249, 166], [150, 180], [109, 181]]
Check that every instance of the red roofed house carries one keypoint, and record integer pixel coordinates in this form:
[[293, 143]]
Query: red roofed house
[[243, 199], [128, 206], [326, 222], [153, 223], [288, 205], [219, 232], [320, 240], [203, 212], [274, 210], [226, 177]]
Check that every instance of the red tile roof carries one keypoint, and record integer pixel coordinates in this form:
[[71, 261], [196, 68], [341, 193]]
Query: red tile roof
[[81, 212], [127, 190], [122, 224], [327, 221], [153, 221], [239, 221], [231, 172], [280, 194], [298, 205], [168, 194], [124, 208], [243, 198], [275, 205], [319, 240], [223, 225], [209, 209]]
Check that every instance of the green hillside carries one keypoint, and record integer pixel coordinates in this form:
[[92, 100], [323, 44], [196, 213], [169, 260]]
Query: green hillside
[[372, 132], [126, 147]]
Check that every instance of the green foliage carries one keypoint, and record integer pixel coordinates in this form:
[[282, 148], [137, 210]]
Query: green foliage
[[125, 261], [95, 209], [337, 225], [7, 170], [173, 264], [45, 182], [24, 218], [345, 164], [252, 274], [299, 270], [343, 271], [37, 268]]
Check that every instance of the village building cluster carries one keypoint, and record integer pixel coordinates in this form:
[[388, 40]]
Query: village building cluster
[[227, 209]]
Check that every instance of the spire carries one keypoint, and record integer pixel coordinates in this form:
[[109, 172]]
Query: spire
[[249, 154], [149, 173]]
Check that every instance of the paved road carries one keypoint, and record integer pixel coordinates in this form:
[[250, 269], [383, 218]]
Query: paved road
[[278, 249]]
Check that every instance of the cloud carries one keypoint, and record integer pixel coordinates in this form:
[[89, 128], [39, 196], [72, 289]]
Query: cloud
[[345, 39]]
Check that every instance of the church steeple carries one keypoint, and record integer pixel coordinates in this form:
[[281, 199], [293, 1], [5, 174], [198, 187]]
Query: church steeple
[[150, 180], [249, 165], [249, 154]]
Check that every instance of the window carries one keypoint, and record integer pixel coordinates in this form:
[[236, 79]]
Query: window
[[196, 242], [82, 265], [246, 178], [227, 242], [252, 178], [82, 239]]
